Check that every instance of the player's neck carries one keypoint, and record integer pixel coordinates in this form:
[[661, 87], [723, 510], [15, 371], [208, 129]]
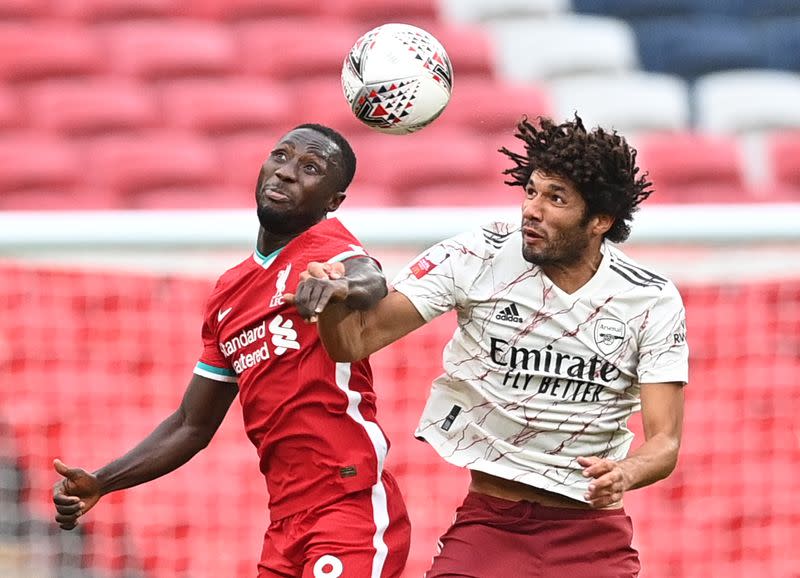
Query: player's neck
[[269, 242], [572, 276]]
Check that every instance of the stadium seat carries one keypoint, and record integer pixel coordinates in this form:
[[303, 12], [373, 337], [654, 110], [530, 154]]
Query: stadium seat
[[371, 13], [535, 49], [321, 100], [191, 198], [91, 106], [694, 46], [784, 159], [99, 10], [781, 39], [482, 11], [241, 157], [491, 106], [248, 9], [750, 8], [489, 193], [150, 160], [23, 8], [157, 49], [219, 106], [434, 156], [11, 115], [629, 102], [33, 50], [271, 48], [470, 49], [747, 101], [60, 200], [676, 160], [632, 9], [33, 160], [364, 196]]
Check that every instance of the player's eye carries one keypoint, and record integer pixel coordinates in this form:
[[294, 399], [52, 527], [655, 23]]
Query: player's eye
[[312, 169], [279, 156]]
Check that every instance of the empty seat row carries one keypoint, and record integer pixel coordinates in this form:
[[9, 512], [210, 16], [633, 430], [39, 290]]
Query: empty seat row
[[648, 8], [156, 49], [99, 10], [133, 168]]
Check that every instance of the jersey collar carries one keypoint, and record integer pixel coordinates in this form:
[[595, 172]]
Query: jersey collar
[[266, 260]]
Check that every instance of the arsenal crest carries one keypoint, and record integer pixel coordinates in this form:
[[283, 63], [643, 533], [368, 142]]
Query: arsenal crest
[[609, 335]]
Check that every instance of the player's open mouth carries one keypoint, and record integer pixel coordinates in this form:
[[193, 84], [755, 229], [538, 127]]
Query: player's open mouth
[[274, 194], [530, 236]]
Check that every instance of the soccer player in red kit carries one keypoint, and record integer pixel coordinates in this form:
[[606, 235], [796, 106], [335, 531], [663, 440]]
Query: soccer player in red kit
[[334, 510]]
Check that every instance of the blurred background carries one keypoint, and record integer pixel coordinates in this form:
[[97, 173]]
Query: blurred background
[[131, 135]]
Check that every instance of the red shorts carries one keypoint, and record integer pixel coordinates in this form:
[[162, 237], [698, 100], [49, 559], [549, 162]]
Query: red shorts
[[492, 538], [365, 534]]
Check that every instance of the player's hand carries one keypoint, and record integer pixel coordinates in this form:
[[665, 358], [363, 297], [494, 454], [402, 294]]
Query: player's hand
[[609, 483], [74, 495], [320, 284]]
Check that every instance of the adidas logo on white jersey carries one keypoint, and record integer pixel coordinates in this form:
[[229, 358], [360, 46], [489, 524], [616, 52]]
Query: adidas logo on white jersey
[[510, 313]]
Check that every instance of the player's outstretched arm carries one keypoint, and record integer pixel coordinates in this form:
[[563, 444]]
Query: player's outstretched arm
[[169, 446], [662, 417], [355, 315]]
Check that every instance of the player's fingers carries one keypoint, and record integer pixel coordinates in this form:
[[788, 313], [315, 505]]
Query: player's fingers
[[62, 499], [598, 469], [318, 270], [70, 509], [289, 298], [336, 270]]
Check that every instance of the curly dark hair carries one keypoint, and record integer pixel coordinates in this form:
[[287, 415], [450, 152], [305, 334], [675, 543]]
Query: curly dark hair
[[600, 164]]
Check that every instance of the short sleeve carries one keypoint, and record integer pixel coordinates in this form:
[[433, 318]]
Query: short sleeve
[[663, 349], [438, 279], [212, 364]]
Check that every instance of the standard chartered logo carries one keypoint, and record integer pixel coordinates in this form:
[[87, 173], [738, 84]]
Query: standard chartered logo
[[280, 333], [283, 336]]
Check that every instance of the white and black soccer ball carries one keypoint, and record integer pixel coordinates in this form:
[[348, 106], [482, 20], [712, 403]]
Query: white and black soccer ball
[[397, 78]]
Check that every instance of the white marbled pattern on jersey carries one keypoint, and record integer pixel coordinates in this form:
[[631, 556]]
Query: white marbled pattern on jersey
[[535, 377]]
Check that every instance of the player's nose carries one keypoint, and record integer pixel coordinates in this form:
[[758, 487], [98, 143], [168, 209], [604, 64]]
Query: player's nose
[[531, 210], [287, 171]]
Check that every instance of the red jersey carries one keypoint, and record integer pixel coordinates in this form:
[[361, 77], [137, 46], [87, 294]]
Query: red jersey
[[311, 419]]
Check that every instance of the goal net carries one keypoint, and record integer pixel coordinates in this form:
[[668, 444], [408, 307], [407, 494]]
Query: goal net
[[100, 328]]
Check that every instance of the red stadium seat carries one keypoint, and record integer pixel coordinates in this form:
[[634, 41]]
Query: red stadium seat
[[92, 106], [489, 106], [272, 47], [51, 200], [217, 106], [191, 198], [479, 194], [32, 160], [157, 49], [23, 8], [783, 150], [469, 47], [247, 9], [10, 110], [433, 156], [36, 50], [694, 162], [241, 157], [94, 10], [150, 160], [374, 13], [321, 100]]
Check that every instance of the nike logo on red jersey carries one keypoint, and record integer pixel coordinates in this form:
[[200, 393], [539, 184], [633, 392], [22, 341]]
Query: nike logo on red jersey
[[222, 313]]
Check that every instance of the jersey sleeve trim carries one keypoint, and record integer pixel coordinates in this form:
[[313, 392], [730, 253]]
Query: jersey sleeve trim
[[355, 251], [215, 373]]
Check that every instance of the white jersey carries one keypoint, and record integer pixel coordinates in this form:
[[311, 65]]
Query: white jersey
[[536, 377]]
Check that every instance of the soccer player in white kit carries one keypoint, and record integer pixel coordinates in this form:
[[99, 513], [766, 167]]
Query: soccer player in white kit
[[560, 338]]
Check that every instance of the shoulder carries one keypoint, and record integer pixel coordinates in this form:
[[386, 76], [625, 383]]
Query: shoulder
[[630, 272], [497, 233], [231, 277]]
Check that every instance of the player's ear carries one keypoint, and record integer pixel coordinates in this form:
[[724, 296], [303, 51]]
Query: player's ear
[[336, 200], [602, 223]]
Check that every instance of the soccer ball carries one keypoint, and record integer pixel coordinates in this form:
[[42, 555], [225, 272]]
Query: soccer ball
[[397, 78]]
